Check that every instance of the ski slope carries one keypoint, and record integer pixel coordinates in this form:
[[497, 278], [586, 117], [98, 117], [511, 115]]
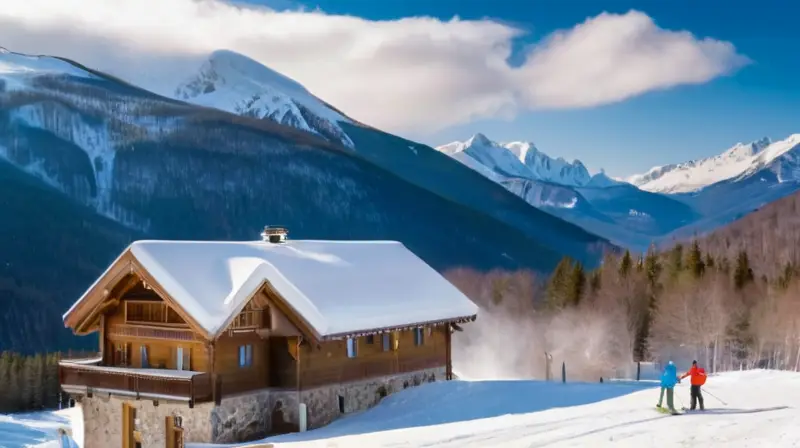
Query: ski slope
[[473, 414], [536, 414]]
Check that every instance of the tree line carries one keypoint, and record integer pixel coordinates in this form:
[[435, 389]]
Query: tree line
[[682, 303], [30, 382]]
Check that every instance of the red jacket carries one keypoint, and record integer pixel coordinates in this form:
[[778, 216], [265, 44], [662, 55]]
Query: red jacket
[[698, 376]]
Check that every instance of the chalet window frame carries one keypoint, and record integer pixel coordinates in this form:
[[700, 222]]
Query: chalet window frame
[[183, 358], [419, 337], [386, 342], [351, 345], [245, 356]]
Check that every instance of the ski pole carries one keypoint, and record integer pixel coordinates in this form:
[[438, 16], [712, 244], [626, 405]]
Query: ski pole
[[716, 397]]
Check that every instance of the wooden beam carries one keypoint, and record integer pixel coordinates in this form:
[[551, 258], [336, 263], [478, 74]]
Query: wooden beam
[[99, 291], [294, 318], [88, 321]]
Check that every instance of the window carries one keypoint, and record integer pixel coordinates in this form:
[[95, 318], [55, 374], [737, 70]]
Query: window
[[352, 347], [179, 359], [143, 356], [121, 354], [387, 341], [419, 336], [245, 355], [370, 339]]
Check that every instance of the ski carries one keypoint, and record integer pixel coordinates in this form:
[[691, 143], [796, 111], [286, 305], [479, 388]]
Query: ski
[[666, 411]]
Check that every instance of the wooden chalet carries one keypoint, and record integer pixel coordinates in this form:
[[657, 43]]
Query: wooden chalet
[[222, 342]]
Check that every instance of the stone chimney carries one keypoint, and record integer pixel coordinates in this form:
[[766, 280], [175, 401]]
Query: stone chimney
[[274, 235]]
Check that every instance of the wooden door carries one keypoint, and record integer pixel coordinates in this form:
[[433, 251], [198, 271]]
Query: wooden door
[[128, 426]]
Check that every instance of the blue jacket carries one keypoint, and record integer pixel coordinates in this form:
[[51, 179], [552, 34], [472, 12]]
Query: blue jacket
[[670, 376]]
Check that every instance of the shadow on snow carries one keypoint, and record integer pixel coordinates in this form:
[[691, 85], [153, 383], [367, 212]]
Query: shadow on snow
[[725, 411], [458, 401]]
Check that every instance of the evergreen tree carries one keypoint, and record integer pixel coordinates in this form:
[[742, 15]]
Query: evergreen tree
[[576, 284], [742, 273], [675, 261], [558, 286], [625, 265], [652, 269], [694, 261]]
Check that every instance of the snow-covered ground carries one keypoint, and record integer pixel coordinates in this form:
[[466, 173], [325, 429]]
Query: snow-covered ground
[[40, 429], [758, 412]]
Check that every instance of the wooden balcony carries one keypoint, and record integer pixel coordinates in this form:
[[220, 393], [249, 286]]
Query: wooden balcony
[[153, 332], [139, 383]]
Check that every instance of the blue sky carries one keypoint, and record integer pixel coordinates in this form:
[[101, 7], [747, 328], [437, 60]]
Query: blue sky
[[681, 123]]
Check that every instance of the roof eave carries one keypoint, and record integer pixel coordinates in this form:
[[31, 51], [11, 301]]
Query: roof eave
[[367, 332]]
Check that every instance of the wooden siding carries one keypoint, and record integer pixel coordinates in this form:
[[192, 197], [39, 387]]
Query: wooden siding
[[236, 378], [329, 363]]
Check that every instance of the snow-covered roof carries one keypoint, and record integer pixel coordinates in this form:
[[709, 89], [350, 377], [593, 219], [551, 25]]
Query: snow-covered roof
[[337, 287]]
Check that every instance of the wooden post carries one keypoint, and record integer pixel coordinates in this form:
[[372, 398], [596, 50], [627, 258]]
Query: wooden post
[[449, 353], [563, 372], [170, 429], [102, 341]]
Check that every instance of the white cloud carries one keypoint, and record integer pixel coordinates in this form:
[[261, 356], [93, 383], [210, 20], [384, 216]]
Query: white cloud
[[413, 75]]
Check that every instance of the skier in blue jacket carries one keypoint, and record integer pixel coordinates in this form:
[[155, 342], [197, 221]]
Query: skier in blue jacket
[[668, 380]]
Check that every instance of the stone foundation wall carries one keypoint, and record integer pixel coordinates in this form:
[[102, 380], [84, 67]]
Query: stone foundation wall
[[102, 421], [322, 403], [242, 418]]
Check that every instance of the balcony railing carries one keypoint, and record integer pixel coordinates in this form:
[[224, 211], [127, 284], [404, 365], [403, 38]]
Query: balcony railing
[[141, 383], [149, 332]]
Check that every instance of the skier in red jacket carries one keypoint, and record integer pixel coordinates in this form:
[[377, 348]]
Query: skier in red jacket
[[698, 378]]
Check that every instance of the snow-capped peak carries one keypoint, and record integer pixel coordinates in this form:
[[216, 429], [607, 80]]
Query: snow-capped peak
[[547, 168], [479, 140], [515, 159], [233, 82], [741, 159]]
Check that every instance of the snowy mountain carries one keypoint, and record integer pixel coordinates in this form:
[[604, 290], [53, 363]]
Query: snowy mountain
[[520, 159], [607, 207], [739, 161], [89, 162], [235, 83]]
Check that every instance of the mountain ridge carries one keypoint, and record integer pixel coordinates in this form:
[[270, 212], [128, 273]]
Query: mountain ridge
[[737, 161]]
